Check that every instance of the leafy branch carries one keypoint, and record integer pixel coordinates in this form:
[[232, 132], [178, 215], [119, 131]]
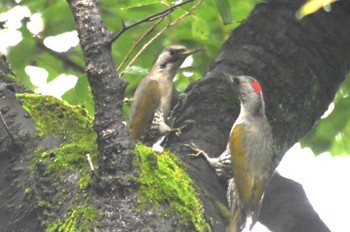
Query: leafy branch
[[151, 18], [162, 31], [138, 42]]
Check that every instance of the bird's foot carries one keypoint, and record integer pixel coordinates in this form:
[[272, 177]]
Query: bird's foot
[[195, 149], [187, 123], [213, 162]]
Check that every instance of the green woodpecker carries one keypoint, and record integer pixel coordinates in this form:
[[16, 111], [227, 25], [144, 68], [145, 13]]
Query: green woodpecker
[[152, 98], [249, 155]]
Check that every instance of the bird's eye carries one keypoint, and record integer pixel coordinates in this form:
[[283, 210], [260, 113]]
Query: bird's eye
[[172, 52], [236, 80]]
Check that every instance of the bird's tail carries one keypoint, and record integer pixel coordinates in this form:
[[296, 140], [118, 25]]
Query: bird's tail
[[237, 221], [238, 216]]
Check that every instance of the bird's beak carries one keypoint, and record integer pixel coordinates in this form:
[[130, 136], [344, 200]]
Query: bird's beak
[[190, 51], [230, 78]]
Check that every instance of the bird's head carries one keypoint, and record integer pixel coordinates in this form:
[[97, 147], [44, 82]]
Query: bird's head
[[249, 92], [173, 56]]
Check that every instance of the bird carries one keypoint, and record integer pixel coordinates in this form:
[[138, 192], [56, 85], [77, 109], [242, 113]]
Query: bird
[[248, 161], [152, 99]]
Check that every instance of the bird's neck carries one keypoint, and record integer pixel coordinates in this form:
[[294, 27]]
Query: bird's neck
[[167, 71], [251, 112], [167, 74]]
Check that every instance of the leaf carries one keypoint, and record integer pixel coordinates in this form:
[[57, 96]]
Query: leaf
[[136, 70], [333, 132], [21, 55], [50, 64], [225, 11], [140, 3], [200, 29], [312, 6], [80, 95]]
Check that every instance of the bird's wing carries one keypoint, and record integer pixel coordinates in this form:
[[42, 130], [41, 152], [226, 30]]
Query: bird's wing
[[241, 173], [146, 101], [249, 188]]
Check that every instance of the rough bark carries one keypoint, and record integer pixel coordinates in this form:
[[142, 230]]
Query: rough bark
[[17, 139], [113, 139], [300, 65]]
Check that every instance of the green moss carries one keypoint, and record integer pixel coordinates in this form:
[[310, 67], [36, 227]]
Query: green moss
[[78, 219], [163, 180], [223, 210], [65, 168], [59, 119], [28, 193]]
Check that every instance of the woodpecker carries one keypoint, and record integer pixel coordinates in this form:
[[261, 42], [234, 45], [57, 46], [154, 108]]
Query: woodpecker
[[152, 98], [249, 152]]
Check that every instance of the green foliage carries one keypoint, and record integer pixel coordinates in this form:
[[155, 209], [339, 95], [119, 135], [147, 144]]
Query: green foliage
[[225, 11], [333, 132], [194, 31], [82, 88], [164, 181]]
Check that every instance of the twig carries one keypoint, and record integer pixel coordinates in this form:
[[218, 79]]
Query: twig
[[100, 183], [138, 42], [162, 31], [90, 162], [6, 127], [148, 19]]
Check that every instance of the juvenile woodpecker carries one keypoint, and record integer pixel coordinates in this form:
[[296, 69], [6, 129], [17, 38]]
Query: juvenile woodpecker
[[152, 98], [249, 155]]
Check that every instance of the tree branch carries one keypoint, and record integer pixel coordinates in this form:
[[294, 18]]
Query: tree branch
[[138, 42], [113, 137], [151, 18], [162, 31], [288, 195], [60, 56]]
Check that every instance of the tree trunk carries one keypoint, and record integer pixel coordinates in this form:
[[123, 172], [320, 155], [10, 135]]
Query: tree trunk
[[113, 139]]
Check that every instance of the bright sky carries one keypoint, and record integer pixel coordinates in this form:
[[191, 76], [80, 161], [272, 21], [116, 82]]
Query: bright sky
[[326, 182], [324, 178]]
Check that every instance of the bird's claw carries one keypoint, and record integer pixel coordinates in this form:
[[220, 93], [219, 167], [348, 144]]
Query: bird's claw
[[195, 149], [178, 133], [187, 123]]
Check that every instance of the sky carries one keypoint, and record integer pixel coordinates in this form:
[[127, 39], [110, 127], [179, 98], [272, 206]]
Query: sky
[[325, 178]]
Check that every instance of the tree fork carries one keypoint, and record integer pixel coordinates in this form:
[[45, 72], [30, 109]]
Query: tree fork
[[113, 139]]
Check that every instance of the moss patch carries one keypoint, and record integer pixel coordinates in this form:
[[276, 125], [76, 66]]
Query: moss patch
[[223, 210], [59, 119], [80, 218], [163, 180], [62, 174]]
